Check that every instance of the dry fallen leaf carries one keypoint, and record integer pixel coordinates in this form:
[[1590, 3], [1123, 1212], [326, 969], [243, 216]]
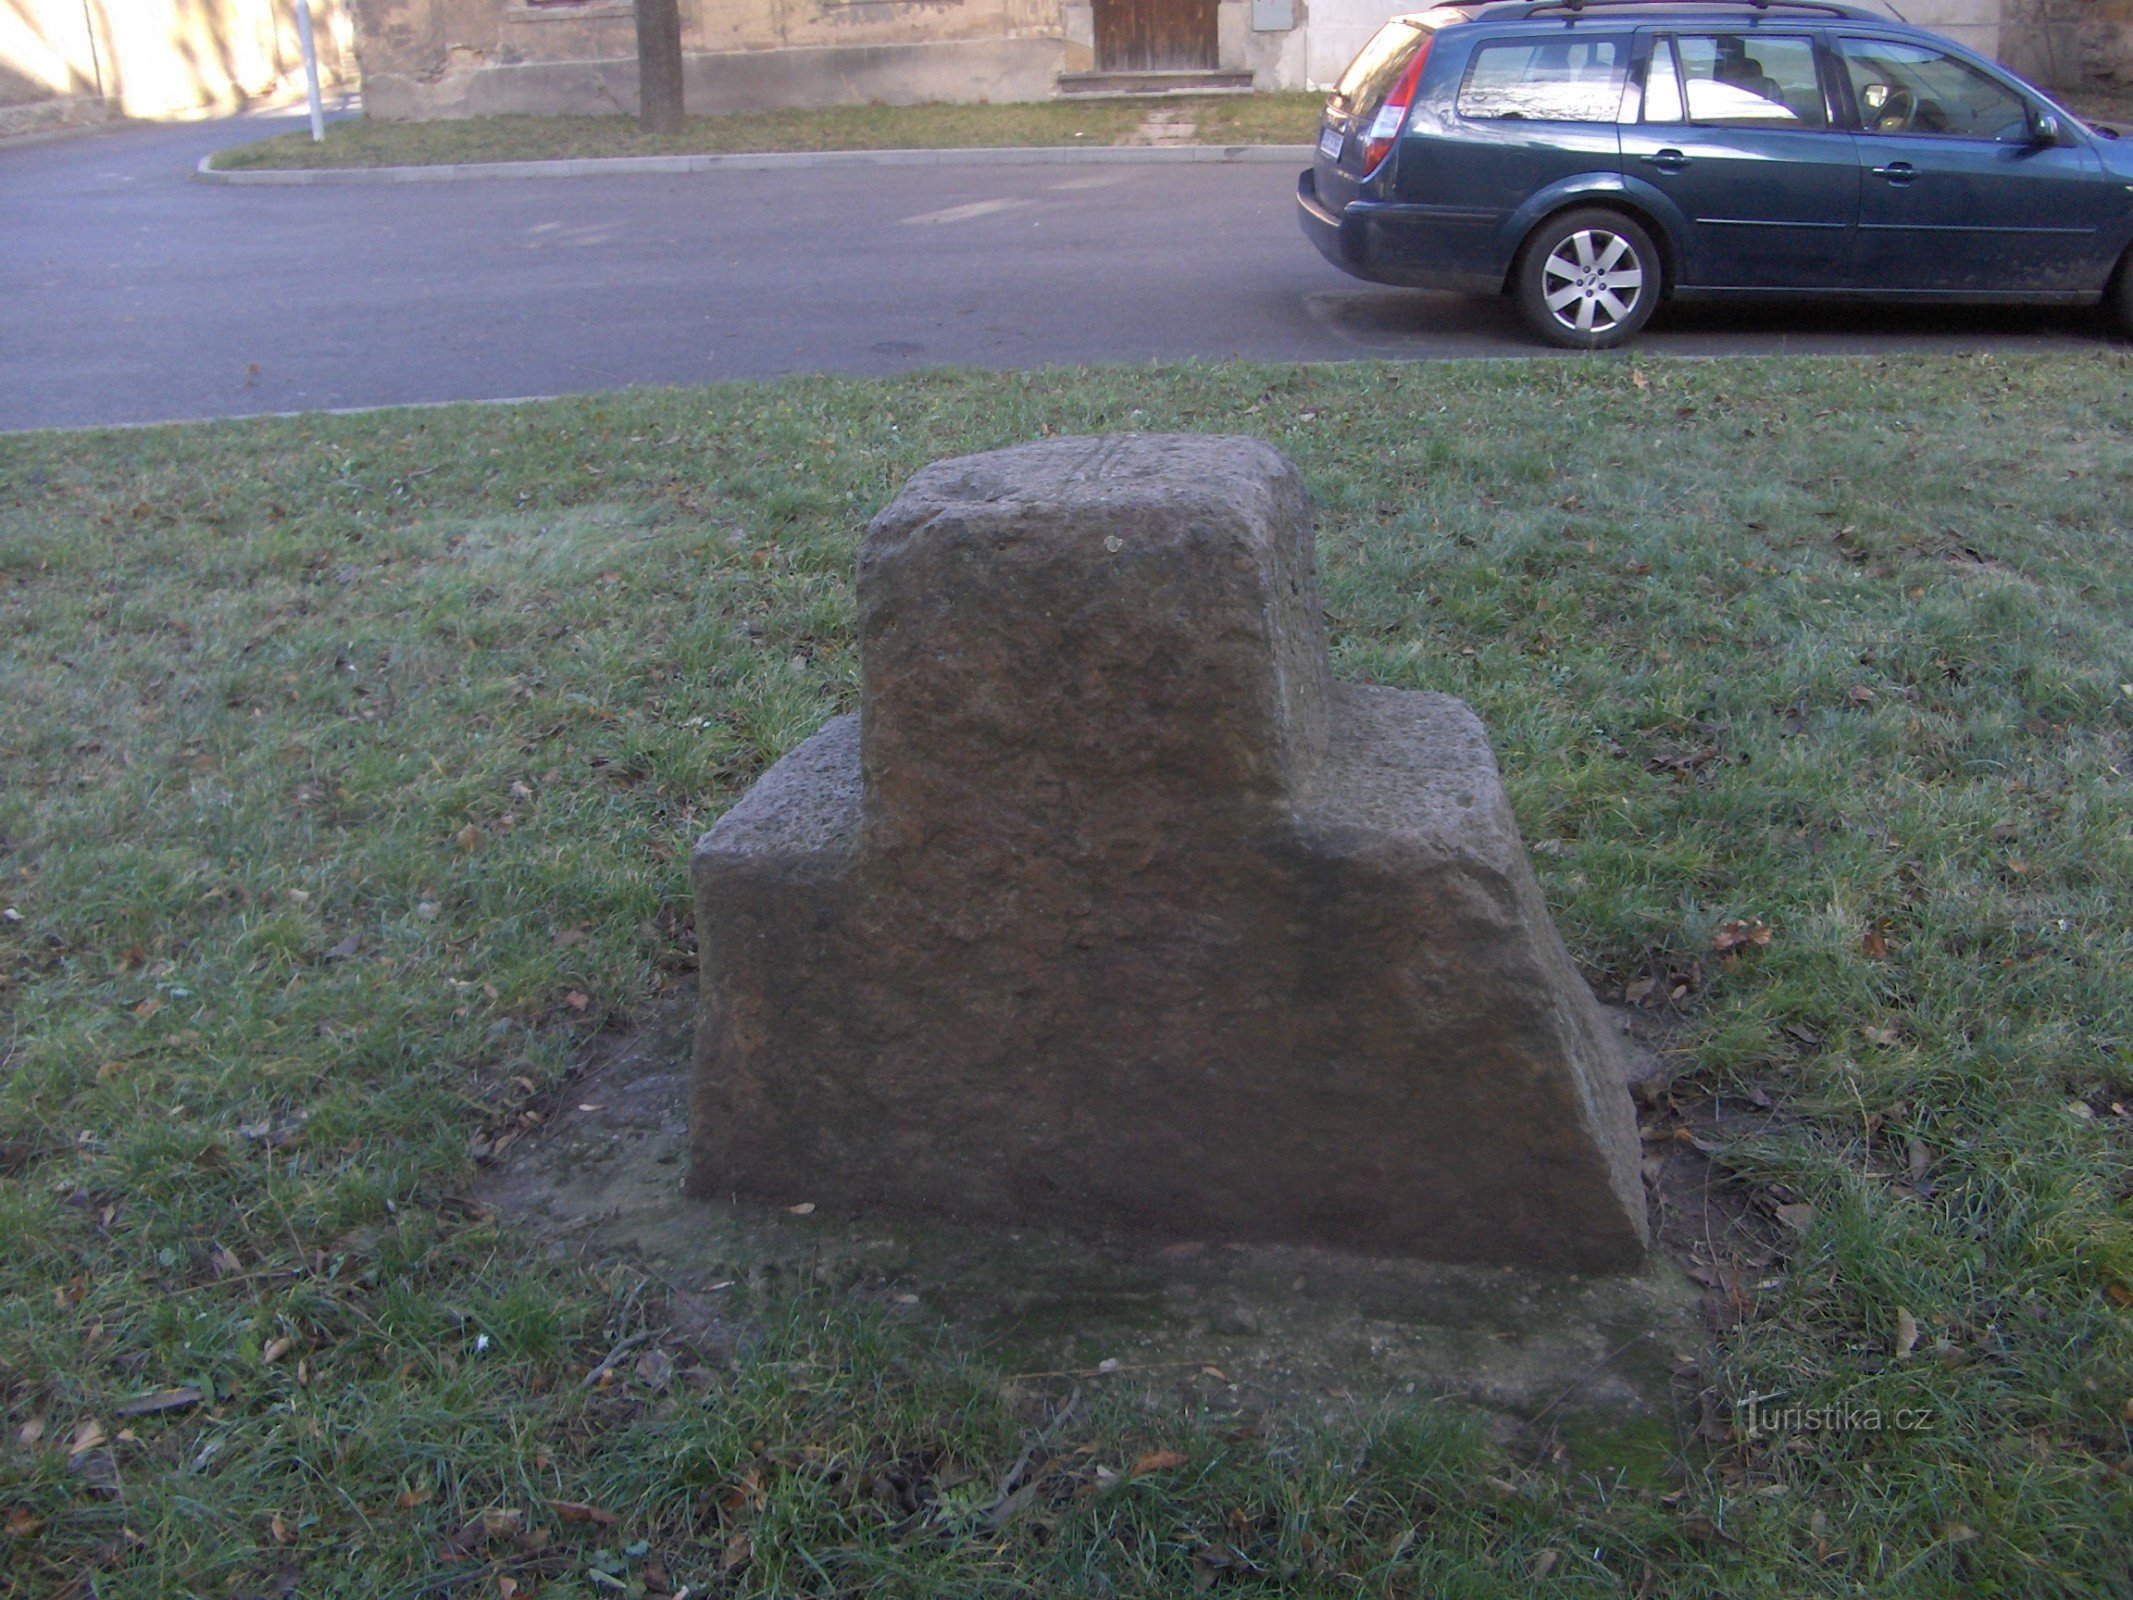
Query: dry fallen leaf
[[805, 1208], [21, 1524], [468, 838], [1874, 944], [162, 1400], [1208, 1568], [1799, 1218], [738, 1549], [1545, 1562], [1957, 1532], [275, 1350], [87, 1436], [1732, 935], [408, 1499], [577, 1000], [1159, 1461], [1906, 1333], [578, 1511], [30, 1432], [279, 1529]]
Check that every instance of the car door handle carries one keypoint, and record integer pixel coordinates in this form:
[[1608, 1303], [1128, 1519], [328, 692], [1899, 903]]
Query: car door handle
[[1666, 160], [1898, 173]]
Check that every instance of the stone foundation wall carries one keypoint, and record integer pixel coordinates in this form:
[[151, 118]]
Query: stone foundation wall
[[454, 58], [728, 81], [75, 63], [2072, 44]]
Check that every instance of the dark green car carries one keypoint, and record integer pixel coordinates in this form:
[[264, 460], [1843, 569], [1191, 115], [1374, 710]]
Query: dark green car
[[1592, 158]]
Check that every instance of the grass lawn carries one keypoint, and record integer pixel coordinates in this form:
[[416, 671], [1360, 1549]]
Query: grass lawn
[[348, 771], [1215, 119]]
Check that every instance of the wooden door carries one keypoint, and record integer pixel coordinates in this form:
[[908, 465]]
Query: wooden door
[[1155, 35]]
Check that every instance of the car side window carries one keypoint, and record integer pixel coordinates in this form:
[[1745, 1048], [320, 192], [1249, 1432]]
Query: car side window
[[1546, 80], [1736, 80], [1908, 88]]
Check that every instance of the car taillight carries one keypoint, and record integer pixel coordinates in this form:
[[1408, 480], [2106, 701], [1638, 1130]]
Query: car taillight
[[1385, 126]]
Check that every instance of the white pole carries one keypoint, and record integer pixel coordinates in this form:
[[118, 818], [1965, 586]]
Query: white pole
[[303, 38]]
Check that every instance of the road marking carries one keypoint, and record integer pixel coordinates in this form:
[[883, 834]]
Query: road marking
[[976, 208], [1102, 180]]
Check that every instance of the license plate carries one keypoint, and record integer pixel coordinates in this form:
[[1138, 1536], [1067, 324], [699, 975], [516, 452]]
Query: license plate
[[1330, 141]]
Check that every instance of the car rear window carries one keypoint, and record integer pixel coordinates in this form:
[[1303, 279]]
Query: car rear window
[[1371, 75], [1546, 80]]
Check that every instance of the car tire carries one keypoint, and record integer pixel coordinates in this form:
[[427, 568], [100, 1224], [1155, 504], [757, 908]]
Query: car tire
[[1588, 280], [2118, 299]]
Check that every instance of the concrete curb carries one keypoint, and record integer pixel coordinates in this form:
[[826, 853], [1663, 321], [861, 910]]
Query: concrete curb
[[773, 161]]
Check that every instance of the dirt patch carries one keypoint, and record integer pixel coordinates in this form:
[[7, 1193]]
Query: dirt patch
[[1244, 1329]]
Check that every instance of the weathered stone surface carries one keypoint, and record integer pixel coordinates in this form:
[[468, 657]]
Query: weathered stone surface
[[1111, 908]]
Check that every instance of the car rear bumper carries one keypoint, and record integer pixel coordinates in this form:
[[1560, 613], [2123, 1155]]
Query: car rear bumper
[[1380, 242]]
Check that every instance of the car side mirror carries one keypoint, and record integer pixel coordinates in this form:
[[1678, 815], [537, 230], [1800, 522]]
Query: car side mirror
[[2043, 128]]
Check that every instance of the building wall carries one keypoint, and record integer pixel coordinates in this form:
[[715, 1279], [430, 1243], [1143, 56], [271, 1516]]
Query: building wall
[[441, 58], [69, 63], [2073, 44], [445, 58]]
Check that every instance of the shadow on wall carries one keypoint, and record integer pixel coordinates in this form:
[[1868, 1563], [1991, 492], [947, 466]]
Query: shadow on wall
[[70, 63]]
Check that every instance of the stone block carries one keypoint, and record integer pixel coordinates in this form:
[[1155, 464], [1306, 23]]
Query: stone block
[[1112, 910]]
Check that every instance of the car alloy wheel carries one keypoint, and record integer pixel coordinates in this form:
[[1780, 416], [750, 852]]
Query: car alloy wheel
[[1589, 280], [1592, 280]]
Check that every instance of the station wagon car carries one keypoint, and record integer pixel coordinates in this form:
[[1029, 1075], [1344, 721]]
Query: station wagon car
[[1592, 158]]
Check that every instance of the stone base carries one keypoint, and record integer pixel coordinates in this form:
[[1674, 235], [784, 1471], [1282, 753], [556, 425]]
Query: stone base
[[716, 83], [1443, 1086], [1112, 909]]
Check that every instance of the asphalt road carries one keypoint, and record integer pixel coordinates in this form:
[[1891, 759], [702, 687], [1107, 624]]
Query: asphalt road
[[131, 293]]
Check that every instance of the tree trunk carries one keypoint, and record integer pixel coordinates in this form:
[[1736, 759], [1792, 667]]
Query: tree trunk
[[659, 65]]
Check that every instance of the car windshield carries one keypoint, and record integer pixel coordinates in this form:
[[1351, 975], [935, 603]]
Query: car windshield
[[1370, 76]]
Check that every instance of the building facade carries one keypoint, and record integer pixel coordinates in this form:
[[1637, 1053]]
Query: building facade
[[445, 58], [75, 63]]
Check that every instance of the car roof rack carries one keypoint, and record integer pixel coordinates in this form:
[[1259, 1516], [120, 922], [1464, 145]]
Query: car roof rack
[[1531, 8]]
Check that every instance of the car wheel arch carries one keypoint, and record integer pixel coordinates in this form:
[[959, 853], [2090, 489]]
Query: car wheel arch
[[1661, 236]]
